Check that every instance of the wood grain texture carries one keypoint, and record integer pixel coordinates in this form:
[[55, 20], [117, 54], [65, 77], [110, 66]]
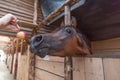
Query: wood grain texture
[[22, 10], [94, 69], [22, 68], [78, 68], [106, 46], [42, 75], [13, 70], [53, 67], [111, 69], [19, 67], [99, 19], [31, 65]]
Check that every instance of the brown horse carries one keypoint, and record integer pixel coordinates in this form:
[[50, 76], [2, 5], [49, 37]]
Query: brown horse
[[64, 41]]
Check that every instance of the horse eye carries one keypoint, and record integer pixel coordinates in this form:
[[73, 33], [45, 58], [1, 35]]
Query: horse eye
[[68, 31]]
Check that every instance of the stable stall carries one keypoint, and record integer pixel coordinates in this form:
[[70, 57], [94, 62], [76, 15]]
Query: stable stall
[[97, 20]]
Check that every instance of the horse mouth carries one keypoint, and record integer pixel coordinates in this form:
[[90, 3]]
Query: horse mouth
[[42, 52]]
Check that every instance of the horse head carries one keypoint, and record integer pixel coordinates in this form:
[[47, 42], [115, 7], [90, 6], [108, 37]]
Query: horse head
[[64, 41]]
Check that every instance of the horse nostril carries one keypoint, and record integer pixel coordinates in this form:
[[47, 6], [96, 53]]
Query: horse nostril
[[39, 38]]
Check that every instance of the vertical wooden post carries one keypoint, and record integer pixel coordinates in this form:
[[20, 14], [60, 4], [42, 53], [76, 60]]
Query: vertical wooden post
[[21, 46], [16, 60], [68, 68], [68, 60], [35, 11], [67, 17], [12, 52], [31, 57]]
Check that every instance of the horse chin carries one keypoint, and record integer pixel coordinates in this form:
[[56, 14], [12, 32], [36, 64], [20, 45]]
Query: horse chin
[[42, 52]]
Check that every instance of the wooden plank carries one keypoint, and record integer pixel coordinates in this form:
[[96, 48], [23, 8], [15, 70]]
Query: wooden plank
[[108, 55], [21, 4], [16, 59], [9, 62], [9, 6], [68, 68], [35, 11], [94, 69], [19, 67], [29, 2], [67, 17], [9, 33], [106, 46], [13, 70], [42, 75], [31, 65], [23, 10], [68, 60], [27, 24], [111, 69], [78, 68], [24, 68], [18, 15], [31, 57], [52, 59], [53, 67], [12, 63]]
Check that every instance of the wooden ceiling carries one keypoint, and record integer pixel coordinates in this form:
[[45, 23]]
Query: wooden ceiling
[[99, 19]]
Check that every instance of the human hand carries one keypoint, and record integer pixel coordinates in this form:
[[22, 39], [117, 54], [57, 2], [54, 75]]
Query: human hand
[[9, 21]]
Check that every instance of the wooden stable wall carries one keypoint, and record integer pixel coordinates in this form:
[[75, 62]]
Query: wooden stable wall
[[20, 66], [22, 69], [111, 46], [84, 68], [23, 9], [49, 70]]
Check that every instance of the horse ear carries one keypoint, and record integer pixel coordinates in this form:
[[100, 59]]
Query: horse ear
[[82, 46], [73, 22]]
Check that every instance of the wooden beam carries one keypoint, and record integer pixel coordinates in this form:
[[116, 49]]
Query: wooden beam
[[35, 12], [68, 60], [5, 33], [68, 68], [78, 4], [12, 34], [67, 17], [27, 24], [31, 57], [16, 59], [55, 13], [109, 55]]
